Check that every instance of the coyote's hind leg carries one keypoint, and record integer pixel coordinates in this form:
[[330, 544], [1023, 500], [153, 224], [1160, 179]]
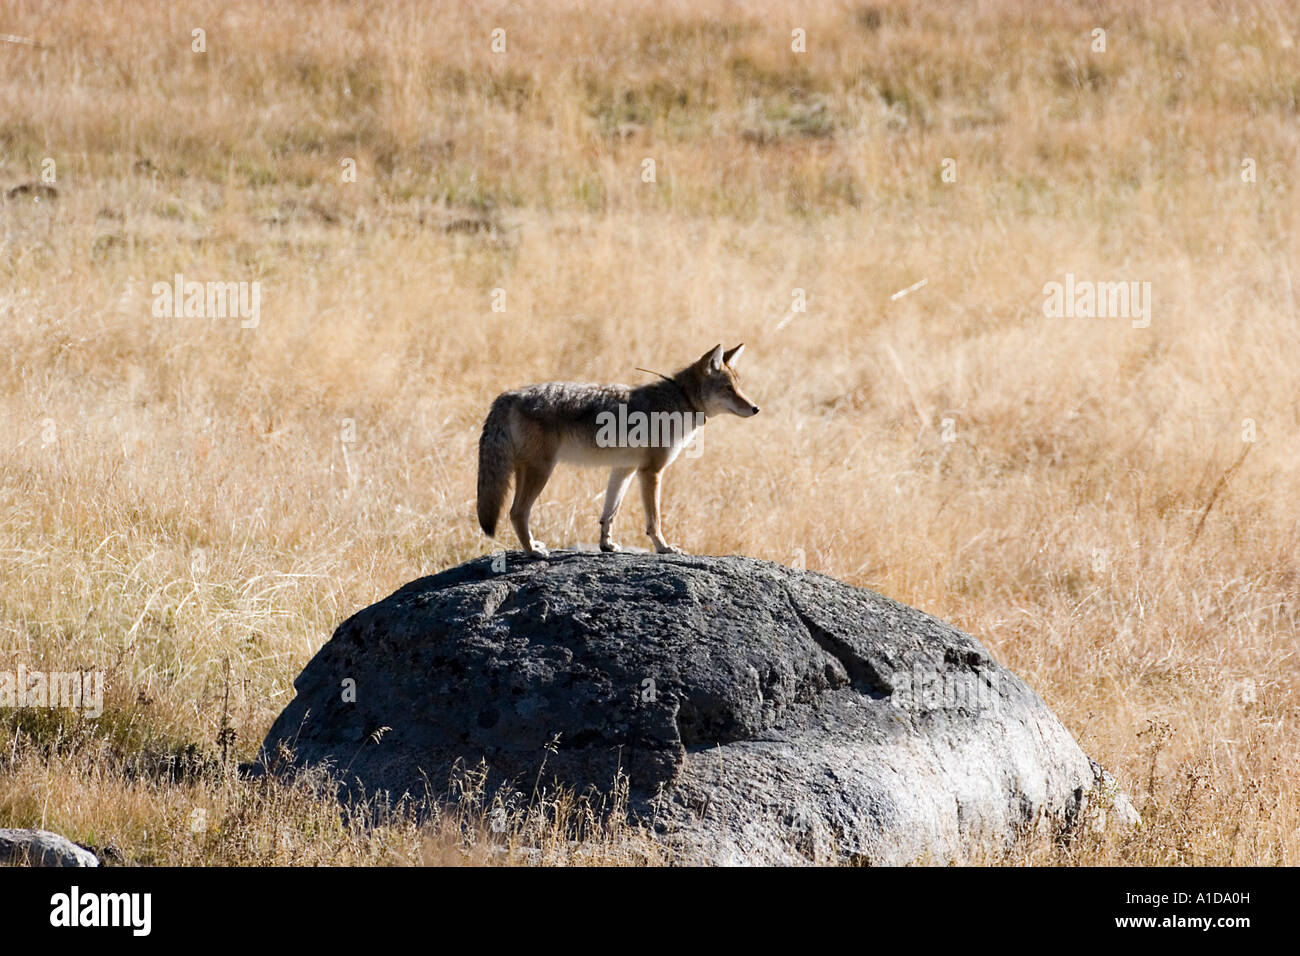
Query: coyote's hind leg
[[529, 482]]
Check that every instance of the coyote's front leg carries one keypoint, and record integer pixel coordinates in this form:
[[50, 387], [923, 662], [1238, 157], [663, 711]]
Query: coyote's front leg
[[619, 479], [650, 498]]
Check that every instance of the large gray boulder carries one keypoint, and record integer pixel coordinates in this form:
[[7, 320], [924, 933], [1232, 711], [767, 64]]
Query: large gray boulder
[[41, 848], [761, 714]]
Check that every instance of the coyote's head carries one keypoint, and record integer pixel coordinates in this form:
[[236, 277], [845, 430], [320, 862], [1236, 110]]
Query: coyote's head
[[717, 386]]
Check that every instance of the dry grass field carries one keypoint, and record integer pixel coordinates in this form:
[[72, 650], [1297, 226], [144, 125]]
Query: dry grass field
[[192, 504]]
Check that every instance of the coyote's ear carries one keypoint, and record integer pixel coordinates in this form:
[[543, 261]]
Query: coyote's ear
[[731, 357], [712, 359]]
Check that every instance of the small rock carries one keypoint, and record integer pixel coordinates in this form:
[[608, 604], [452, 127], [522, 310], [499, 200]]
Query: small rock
[[41, 848]]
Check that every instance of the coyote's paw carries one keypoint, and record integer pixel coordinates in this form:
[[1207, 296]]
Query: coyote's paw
[[538, 550], [609, 546], [669, 549]]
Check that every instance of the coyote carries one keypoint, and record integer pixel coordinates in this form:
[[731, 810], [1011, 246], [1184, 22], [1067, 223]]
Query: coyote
[[528, 430]]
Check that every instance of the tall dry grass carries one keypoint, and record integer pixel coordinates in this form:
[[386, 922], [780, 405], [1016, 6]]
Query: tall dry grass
[[192, 507]]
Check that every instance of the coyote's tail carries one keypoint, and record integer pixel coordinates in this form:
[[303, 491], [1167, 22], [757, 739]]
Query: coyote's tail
[[495, 462]]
